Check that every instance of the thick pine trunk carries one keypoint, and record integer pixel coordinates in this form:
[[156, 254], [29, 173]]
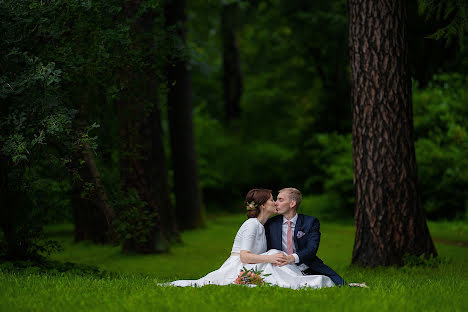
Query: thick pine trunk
[[142, 159], [390, 220], [232, 76], [189, 208], [143, 168]]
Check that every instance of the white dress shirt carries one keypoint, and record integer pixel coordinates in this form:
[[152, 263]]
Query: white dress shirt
[[284, 240]]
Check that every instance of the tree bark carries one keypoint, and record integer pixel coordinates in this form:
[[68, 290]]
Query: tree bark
[[143, 168], [142, 160], [93, 216], [189, 208], [232, 76], [389, 217]]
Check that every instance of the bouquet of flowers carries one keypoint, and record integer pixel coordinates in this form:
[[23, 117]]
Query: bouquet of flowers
[[251, 277]]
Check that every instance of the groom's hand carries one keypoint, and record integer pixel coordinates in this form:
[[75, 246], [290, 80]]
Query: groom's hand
[[278, 259], [288, 260]]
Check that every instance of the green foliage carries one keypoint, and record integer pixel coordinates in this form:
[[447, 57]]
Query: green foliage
[[453, 12], [332, 155], [133, 222], [326, 206], [230, 164], [35, 128], [64, 65], [422, 261], [440, 113], [28, 86], [33, 245]]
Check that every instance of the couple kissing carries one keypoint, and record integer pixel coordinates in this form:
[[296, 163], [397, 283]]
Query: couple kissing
[[284, 247]]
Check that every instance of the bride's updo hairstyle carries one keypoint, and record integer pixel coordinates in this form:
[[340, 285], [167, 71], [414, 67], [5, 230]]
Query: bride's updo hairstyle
[[259, 197]]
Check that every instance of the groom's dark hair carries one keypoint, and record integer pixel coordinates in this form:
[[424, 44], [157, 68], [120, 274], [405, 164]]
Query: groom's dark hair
[[259, 197]]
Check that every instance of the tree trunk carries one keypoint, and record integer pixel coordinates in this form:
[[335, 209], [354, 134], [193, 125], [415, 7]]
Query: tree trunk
[[232, 76], [189, 209], [142, 158], [143, 169], [93, 216], [15, 214], [390, 220], [8, 215]]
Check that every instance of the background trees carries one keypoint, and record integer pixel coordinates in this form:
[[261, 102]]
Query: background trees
[[113, 83], [189, 208]]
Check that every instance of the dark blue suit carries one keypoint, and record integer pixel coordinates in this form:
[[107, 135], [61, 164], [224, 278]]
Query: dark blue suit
[[306, 246]]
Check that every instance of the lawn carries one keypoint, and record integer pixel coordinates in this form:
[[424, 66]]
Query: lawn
[[438, 285]]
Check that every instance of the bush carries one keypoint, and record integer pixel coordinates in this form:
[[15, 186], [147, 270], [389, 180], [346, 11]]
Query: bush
[[327, 206], [440, 114], [230, 165]]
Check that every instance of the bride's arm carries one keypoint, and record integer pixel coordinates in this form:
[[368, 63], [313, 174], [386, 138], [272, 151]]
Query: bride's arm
[[248, 257]]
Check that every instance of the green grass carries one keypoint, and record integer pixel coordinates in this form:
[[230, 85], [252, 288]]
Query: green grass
[[425, 288]]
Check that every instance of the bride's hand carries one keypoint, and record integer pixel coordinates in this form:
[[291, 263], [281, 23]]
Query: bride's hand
[[278, 258]]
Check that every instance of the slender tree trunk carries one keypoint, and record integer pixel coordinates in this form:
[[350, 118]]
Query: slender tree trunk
[[8, 216], [93, 216], [142, 160], [232, 76], [390, 220], [189, 209], [15, 218]]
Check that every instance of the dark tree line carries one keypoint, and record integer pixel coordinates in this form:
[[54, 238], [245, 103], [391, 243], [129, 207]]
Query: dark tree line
[[125, 65], [116, 58]]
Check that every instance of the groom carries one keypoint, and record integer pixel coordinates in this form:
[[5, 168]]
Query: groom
[[298, 235]]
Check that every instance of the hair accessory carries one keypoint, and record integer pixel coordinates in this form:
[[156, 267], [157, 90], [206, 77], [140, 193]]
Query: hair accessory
[[251, 206]]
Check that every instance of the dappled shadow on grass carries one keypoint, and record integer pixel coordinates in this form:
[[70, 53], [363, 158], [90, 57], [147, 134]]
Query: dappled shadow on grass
[[49, 267]]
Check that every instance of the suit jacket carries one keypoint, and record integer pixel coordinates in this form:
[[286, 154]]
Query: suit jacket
[[306, 246]]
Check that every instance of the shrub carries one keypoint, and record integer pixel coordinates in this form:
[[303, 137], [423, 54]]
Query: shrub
[[440, 114]]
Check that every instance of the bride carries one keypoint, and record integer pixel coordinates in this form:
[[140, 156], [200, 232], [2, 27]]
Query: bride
[[250, 251]]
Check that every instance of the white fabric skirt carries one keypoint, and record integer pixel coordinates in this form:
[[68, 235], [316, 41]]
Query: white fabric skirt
[[288, 276]]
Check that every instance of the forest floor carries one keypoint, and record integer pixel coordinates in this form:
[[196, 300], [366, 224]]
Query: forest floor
[[435, 285]]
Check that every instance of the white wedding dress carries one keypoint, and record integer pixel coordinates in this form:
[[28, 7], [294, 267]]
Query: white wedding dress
[[251, 237]]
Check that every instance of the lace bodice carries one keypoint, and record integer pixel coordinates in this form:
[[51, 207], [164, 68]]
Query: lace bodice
[[251, 237]]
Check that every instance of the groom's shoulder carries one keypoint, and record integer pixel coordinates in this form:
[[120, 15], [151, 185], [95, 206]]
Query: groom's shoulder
[[307, 218], [272, 220]]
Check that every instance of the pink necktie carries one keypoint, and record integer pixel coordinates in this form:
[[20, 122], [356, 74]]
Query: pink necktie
[[290, 242]]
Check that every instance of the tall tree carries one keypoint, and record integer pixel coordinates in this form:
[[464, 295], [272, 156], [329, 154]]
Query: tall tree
[[390, 220], [232, 75], [189, 208], [142, 159]]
